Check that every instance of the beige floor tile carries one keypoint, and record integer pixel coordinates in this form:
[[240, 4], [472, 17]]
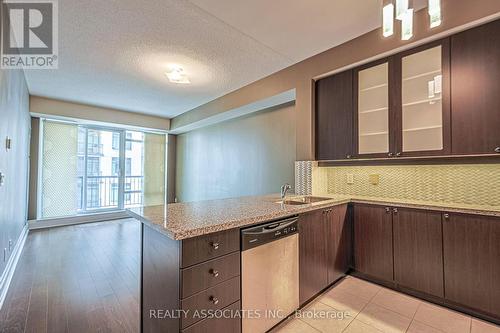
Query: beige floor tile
[[357, 326], [358, 287], [442, 318], [343, 301], [295, 326], [327, 320], [383, 319], [479, 326], [397, 302], [418, 327]]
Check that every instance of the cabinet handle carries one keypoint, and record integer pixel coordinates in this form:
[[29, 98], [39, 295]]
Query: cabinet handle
[[387, 210], [214, 272], [349, 156], [497, 150], [214, 300], [398, 154], [215, 245], [395, 210], [446, 216], [390, 154]]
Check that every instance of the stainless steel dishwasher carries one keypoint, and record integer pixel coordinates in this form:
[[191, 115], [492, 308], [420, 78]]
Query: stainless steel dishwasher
[[269, 274]]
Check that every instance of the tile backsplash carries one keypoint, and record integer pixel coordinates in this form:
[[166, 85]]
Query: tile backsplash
[[472, 184]]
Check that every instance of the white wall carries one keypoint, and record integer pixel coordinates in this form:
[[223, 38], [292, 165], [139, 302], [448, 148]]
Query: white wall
[[14, 123], [252, 155]]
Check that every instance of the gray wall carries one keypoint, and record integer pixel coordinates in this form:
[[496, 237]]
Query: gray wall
[[251, 155], [14, 123]]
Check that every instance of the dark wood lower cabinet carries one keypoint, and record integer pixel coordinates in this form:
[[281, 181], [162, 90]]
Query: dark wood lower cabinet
[[339, 242], [313, 263], [227, 320], [418, 250], [472, 261], [373, 252]]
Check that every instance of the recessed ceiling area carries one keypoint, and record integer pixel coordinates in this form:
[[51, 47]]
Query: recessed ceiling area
[[115, 53]]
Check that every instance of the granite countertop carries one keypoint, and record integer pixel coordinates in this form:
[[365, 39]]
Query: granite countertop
[[185, 220]]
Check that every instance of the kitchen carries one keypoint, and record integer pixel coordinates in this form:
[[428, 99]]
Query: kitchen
[[354, 187]]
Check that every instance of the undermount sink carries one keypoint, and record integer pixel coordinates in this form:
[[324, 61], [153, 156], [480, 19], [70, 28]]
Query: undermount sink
[[303, 200]]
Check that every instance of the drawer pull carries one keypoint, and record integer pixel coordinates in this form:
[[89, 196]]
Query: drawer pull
[[446, 216], [215, 245], [387, 210], [214, 300], [395, 210], [214, 272], [497, 150]]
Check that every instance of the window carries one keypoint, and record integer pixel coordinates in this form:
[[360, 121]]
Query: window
[[93, 164], [80, 169], [116, 141], [115, 166]]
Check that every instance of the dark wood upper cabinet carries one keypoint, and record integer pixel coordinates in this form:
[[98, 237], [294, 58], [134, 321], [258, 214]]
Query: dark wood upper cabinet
[[418, 250], [373, 250], [334, 117], [471, 261], [421, 100], [313, 263], [475, 87], [373, 109], [339, 242]]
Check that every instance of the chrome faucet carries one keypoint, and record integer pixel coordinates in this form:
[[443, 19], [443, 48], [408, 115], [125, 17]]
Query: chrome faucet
[[284, 189]]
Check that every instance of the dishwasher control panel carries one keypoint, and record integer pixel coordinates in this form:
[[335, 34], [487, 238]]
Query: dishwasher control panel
[[265, 233]]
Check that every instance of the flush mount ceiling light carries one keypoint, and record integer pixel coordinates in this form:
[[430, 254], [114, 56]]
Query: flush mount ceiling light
[[405, 14], [176, 74]]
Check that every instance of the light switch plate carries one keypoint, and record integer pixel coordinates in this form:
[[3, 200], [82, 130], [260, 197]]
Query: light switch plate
[[374, 179], [350, 178]]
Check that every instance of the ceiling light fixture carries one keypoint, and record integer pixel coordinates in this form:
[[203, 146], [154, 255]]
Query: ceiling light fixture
[[176, 74], [388, 20], [435, 13], [401, 8], [407, 25]]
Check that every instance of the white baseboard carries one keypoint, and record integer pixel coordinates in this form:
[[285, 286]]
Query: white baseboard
[[71, 220], [8, 272]]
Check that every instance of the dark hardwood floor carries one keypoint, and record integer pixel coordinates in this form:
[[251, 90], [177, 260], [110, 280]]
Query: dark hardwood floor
[[82, 278]]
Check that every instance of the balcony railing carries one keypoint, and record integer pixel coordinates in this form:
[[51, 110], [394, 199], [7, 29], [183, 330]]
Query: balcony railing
[[103, 192]]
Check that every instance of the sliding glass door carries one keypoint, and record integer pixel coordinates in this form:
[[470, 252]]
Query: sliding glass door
[[90, 169], [110, 169]]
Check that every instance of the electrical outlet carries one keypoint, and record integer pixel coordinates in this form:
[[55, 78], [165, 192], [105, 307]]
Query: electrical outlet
[[350, 178], [374, 179]]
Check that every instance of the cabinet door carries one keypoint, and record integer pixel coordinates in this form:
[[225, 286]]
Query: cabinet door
[[475, 68], [418, 250], [334, 117], [373, 241], [423, 104], [471, 261], [313, 274], [339, 242], [373, 110]]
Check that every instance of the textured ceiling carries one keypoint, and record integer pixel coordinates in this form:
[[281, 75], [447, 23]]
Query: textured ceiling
[[114, 53]]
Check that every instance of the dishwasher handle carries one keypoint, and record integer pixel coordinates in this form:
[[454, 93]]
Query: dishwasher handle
[[255, 236]]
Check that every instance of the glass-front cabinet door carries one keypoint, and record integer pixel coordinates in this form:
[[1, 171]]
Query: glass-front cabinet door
[[372, 109], [424, 101]]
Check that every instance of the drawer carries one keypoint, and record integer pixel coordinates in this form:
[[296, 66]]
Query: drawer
[[206, 247], [211, 325], [214, 298], [205, 275]]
